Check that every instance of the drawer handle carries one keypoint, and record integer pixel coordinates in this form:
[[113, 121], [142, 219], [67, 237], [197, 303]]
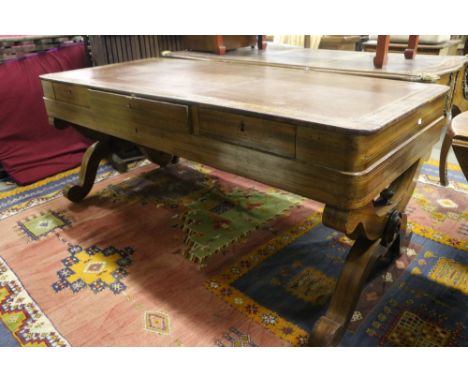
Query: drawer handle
[[242, 126]]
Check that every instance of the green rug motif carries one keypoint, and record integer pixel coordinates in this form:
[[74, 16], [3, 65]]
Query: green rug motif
[[219, 218], [212, 213]]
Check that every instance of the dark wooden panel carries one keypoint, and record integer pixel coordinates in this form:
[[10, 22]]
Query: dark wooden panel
[[106, 49]]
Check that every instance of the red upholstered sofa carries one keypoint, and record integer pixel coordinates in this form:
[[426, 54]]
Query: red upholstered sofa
[[31, 149]]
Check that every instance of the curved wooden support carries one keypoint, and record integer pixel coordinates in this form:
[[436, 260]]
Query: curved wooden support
[[444, 151], [378, 229], [89, 165], [159, 157], [363, 260], [330, 328]]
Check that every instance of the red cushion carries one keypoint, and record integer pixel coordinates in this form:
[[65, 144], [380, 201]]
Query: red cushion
[[31, 149]]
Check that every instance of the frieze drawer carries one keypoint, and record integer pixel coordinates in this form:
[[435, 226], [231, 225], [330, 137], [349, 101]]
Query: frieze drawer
[[142, 113], [270, 136]]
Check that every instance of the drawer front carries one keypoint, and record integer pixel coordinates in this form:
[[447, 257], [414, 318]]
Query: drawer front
[[135, 113], [77, 95], [270, 136]]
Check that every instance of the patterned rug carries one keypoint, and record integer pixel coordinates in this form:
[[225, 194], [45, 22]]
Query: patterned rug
[[192, 256], [14, 198]]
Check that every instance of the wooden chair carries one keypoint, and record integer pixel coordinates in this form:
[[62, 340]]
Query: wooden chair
[[381, 51], [457, 138]]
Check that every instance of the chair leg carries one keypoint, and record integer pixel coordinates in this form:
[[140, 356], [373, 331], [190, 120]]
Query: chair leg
[[443, 156], [381, 51]]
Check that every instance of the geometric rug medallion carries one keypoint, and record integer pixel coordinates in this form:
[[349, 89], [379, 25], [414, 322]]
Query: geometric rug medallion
[[94, 268], [157, 322], [37, 227]]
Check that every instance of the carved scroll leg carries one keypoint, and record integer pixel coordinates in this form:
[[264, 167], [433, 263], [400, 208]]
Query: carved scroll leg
[[361, 264], [379, 229], [89, 165], [330, 328]]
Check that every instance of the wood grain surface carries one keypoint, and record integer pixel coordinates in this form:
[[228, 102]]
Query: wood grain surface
[[338, 102]]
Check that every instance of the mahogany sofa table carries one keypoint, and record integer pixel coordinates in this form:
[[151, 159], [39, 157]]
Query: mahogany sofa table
[[353, 143]]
